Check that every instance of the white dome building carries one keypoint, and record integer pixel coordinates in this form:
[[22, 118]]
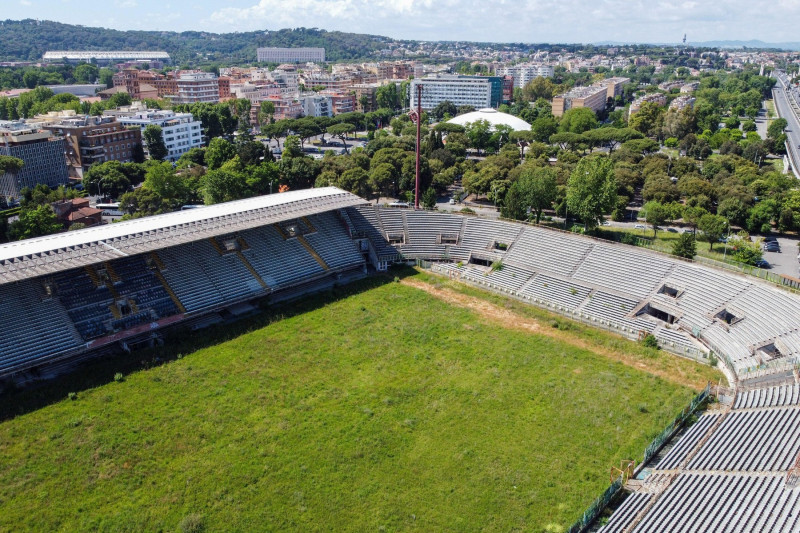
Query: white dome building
[[493, 117]]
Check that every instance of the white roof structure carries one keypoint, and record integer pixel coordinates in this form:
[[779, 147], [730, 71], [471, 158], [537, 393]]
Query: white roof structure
[[493, 117], [62, 251], [102, 55]]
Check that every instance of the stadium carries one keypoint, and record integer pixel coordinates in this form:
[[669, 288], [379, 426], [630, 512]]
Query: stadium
[[89, 294]]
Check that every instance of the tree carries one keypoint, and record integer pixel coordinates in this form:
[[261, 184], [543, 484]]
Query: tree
[[479, 133], [223, 186], [85, 73], [355, 180], [106, 179], [776, 128], [341, 130], [592, 189], [444, 108], [35, 221], [543, 128], [578, 120], [655, 214], [9, 164], [745, 250], [713, 227], [685, 246], [539, 189], [153, 138], [429, 198], [219, 152], [648, 119], [734, 210], [305, 128], [162, 180]]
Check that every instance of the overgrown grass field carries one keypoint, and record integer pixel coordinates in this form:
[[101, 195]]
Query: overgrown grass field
[[383, 409]]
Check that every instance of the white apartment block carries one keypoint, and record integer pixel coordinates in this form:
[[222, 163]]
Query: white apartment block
[[459, 90], [524, 74], [316, 105], [290, 55], [181, 131]]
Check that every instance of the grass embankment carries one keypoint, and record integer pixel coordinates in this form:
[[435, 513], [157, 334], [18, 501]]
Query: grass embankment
[[384, 409]]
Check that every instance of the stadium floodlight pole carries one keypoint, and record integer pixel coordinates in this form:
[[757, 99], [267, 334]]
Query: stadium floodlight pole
[[418, 114]]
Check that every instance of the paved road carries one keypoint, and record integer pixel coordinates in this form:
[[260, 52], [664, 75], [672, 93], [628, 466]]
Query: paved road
[[783, 104]]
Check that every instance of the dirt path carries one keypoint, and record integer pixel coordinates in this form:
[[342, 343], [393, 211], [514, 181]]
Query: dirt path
[[511, 320]]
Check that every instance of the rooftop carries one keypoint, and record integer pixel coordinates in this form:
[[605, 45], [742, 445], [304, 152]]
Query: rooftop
[[62, 251], [493, 117]]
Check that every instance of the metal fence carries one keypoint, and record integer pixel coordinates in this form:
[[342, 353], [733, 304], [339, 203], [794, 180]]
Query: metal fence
[[597, 506]]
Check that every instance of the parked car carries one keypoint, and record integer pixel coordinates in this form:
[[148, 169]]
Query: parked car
[[639, 226], [772, 247], [761, 263]]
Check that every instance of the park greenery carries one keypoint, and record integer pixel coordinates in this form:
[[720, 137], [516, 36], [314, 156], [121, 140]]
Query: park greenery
[[295, 422], [702, 166]]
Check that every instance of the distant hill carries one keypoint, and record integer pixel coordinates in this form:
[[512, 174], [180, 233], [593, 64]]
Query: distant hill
[[714, 44], [27, 40], [747, 44]]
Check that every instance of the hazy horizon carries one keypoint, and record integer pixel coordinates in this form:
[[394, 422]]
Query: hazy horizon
[[536, 21]]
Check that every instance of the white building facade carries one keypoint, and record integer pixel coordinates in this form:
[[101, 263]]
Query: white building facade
[[290, 55], [180, 130], [478, 92], [524, 74]]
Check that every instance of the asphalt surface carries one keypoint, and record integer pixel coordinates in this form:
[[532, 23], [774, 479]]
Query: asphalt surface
[[783, 104]]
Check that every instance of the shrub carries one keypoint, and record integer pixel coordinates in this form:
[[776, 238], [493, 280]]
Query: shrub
[[497, 266], [72, 396], [685, 246], [192, 523], [650, 341], [628, 238], [118, 377], [467, 210], [397, 279], [712, 359]]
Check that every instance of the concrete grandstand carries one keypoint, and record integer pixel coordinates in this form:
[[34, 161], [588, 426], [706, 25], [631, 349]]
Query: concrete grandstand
[[74, 295]]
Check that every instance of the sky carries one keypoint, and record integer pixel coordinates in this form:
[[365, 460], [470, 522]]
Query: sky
[[531, 21]]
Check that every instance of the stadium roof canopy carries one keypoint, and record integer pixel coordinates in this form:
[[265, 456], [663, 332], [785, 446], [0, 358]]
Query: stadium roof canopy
[[493, 117], [102, 55], [62, 251]]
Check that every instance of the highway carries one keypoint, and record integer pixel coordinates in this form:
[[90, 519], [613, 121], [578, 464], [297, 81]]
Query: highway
[[786, 103]]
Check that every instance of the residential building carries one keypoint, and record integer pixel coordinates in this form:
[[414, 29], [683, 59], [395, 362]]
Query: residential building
[[690, 87], [89, 140], [508, 89], [476, 91], [41, 152], [613, 86], [77, 211], [324, 81], [194, 87], [181, 131], [369, 90], [316, 105], [286, 107], [594, 97], [290, 55], [682, 101], [656, 98], [341, 102], [224, 83], [525, 73]]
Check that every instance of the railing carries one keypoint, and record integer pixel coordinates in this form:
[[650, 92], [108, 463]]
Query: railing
[[597, 506]]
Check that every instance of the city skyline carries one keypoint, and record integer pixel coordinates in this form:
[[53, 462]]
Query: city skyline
[[534, 22]]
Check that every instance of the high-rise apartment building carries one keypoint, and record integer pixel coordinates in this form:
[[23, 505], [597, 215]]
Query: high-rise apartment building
[[476, 91], [41, 152], [524, 74]]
